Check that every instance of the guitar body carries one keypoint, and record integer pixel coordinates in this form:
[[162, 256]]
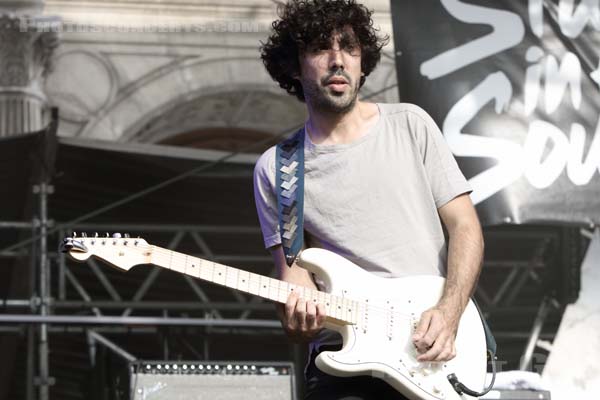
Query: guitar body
[[380, 344]]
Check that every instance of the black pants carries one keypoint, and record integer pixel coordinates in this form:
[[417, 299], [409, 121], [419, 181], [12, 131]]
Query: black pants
[[321, 386]]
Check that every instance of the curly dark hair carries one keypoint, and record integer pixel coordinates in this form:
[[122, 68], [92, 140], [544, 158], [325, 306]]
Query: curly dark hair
[[304, 24]]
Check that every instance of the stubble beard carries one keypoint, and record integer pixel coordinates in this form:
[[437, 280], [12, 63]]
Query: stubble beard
[[325, 100]]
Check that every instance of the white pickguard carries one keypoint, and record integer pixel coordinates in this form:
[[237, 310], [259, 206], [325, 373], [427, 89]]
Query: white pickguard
[[381, 345]]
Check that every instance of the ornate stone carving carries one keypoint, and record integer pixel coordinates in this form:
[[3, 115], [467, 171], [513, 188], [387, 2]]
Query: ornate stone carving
[[25, 59], [14, 49], [25, 52]]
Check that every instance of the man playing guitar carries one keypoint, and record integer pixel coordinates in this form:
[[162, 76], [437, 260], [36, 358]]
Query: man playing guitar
[[380, 186]]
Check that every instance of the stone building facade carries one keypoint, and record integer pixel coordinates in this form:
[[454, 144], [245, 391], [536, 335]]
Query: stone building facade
[[182, 72]]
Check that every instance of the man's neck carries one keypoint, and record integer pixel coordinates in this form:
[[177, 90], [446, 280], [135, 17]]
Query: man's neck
[[327, 128]]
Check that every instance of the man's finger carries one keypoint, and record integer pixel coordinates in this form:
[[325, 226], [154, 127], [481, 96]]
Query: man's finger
[[434, 351], [290, 307], [422, 326], [446, 353], [432, 334], [300, 313], [290, 304], [321, 315], [311, 315]]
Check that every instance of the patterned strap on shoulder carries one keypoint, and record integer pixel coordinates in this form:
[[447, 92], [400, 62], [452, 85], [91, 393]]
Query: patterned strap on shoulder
[[289, 178]]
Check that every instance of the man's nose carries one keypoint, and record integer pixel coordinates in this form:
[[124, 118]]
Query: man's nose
[[336, 60]]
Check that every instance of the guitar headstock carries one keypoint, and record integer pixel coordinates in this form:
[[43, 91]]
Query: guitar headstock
[[121, 252]]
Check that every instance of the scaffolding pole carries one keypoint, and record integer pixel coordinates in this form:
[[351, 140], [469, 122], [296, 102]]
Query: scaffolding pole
[[43, 320], [43, 381]]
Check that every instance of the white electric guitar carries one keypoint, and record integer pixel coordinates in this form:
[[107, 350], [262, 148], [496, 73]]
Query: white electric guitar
[[375, 316]]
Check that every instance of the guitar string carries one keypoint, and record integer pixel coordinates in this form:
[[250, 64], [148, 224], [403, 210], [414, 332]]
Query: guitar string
[[183, 258], [255, 281], [171, 256]]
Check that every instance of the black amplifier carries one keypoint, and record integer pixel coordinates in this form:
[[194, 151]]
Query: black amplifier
[[214, 380]]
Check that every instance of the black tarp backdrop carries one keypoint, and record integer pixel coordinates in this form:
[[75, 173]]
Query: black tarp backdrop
[[514, 85]]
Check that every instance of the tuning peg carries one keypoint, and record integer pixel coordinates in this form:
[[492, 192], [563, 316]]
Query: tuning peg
[[83, 235], [126, 235], [74, 234], [107, 235], [95, 234], [116, 235]]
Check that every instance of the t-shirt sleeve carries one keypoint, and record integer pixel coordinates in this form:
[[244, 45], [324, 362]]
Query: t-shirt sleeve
[[445, 178], [266, 199]]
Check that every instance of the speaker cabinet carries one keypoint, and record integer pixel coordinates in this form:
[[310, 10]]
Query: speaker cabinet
[[156, 380]]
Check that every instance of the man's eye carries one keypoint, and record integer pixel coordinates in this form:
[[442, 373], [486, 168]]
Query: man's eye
[[349, 46], [321, 47]]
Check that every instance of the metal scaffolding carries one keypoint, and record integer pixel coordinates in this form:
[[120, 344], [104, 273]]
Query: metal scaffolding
[[55, 296]]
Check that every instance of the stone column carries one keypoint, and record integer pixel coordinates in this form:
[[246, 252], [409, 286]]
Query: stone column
[[27, 42]]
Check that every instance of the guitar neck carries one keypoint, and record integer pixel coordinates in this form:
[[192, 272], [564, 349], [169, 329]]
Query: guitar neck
[[338, 309]]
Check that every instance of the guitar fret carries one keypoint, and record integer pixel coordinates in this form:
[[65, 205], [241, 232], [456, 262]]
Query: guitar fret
[[219, 274], [347, 309], [231, 278], [205, 270], [331, 310], [263, 285], [281, 291], [196, 267], [274, 285], [243, 278], [267, 282], [320, 298], [175, 266], [253, 284], [288, 290], [312, 295]]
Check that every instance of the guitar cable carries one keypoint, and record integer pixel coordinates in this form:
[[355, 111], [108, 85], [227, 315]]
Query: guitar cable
[[460, 387]]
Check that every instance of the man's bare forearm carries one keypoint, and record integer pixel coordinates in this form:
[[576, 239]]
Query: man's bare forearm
[[465, 256], [434, 336]]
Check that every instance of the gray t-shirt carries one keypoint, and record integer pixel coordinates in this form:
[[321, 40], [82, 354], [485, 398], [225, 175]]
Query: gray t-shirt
[[375, 200]]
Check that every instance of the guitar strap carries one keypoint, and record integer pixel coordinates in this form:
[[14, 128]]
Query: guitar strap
[[289, 181]]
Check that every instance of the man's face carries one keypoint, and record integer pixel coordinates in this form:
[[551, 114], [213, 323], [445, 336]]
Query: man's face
[[330, 74]]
